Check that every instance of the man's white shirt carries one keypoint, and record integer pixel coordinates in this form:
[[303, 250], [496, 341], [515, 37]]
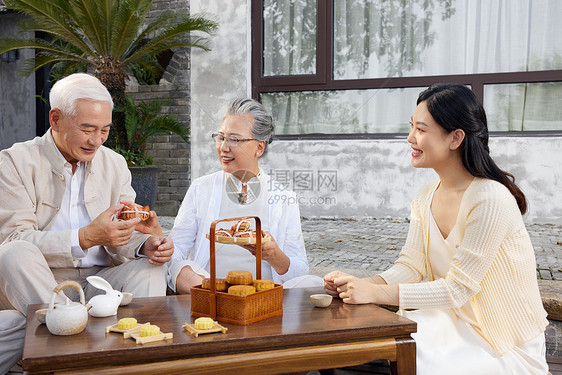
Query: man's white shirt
[[73, 215]]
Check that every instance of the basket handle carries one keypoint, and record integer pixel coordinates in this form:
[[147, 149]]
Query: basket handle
[[213, 295]]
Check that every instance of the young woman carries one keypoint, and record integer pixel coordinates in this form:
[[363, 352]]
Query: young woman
[[479, 310]]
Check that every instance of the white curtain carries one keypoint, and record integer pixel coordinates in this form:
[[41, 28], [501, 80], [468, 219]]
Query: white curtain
[[402, 38], [289, 37]]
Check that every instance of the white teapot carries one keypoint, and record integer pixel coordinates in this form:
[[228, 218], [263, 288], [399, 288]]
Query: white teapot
[[69, 318]]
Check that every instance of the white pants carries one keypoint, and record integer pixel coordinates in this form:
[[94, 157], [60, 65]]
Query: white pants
[[448, 345], [25, 279], [12, 333]]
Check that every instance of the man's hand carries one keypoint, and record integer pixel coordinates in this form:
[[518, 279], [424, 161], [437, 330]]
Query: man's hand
[[158, 249], [105, 232], [149, 226]]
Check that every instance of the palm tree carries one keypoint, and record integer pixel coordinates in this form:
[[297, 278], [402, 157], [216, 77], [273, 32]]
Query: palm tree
[[109, 38]]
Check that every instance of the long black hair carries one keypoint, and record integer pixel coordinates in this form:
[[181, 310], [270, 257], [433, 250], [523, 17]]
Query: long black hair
[[456, 107]]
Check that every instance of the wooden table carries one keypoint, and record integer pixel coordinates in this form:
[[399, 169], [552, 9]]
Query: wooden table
[[303, 338]]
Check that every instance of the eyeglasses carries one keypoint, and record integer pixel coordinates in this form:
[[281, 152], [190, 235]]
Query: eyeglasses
[[230, 140]]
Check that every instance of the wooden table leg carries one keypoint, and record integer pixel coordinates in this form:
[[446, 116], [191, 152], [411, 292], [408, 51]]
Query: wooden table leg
[[405, 357]]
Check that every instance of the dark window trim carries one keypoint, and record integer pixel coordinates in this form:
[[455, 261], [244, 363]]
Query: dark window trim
[[477, 81], [322, 73], [323, 81], [365, 136]]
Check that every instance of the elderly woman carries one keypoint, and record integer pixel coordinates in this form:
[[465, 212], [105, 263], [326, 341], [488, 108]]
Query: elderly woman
[[240, 189]]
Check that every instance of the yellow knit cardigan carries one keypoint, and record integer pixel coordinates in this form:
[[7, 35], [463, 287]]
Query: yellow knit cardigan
[[494, 268]]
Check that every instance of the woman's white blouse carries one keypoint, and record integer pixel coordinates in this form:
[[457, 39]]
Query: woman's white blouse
[[202, 205]]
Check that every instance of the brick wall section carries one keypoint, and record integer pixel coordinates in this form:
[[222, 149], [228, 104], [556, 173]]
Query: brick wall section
[[170, 152]]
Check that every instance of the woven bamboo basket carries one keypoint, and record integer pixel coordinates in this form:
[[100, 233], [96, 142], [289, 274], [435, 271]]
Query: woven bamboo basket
[[229, 308]]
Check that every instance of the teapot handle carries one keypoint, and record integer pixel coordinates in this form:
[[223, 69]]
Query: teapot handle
[[67, 284]]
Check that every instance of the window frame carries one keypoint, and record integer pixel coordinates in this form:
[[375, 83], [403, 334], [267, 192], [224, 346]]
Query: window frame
[[323, 79]]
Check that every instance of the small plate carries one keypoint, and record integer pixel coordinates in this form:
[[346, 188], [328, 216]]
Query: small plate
[[321, 300], [127, 298], [41, 315]]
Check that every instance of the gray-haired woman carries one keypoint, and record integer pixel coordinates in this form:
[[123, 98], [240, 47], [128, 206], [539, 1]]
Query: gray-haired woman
[[240, 189]]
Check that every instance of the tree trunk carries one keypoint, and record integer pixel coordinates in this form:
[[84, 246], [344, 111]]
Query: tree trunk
[[111, 74]]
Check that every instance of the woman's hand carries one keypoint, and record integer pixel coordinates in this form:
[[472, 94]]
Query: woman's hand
[[354, 290], [149, 226], [329, 285], [358, 291], [272, 254], [186, 279]]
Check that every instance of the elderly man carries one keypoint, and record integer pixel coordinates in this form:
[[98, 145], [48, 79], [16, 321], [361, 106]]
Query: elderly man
[[59, 194]]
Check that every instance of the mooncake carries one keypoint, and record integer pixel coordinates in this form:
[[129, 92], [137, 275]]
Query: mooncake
[[204, 323], [127, 323], [149, 330], [241, 290], [263, 285], [221, 284], [239, 278]]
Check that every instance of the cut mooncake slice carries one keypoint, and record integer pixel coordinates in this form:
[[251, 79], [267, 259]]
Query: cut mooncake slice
[[204, 323], [126, 323], [149, 330]]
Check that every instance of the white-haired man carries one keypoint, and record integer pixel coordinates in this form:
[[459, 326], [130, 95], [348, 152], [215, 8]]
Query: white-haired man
[[59, 193]]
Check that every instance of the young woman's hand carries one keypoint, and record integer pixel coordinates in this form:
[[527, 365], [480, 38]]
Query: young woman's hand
[[368, 290], [354, 290], [329, 285]]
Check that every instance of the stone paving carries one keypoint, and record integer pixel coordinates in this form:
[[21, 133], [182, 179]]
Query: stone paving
[[372, 245], [367, 246]]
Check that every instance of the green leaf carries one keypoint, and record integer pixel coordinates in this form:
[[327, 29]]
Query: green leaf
[[144, 121], [107, 35]]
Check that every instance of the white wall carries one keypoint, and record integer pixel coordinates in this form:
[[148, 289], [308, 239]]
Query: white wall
[[217, 77], [373, 177]]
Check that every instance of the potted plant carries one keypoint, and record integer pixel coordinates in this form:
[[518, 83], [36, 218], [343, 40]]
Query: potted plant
[[144, 121]]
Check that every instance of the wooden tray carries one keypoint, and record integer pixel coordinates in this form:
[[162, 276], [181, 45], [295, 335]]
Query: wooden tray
[[230, 308], [115, 328], [196, 332], [143, 340], [239, 240]]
